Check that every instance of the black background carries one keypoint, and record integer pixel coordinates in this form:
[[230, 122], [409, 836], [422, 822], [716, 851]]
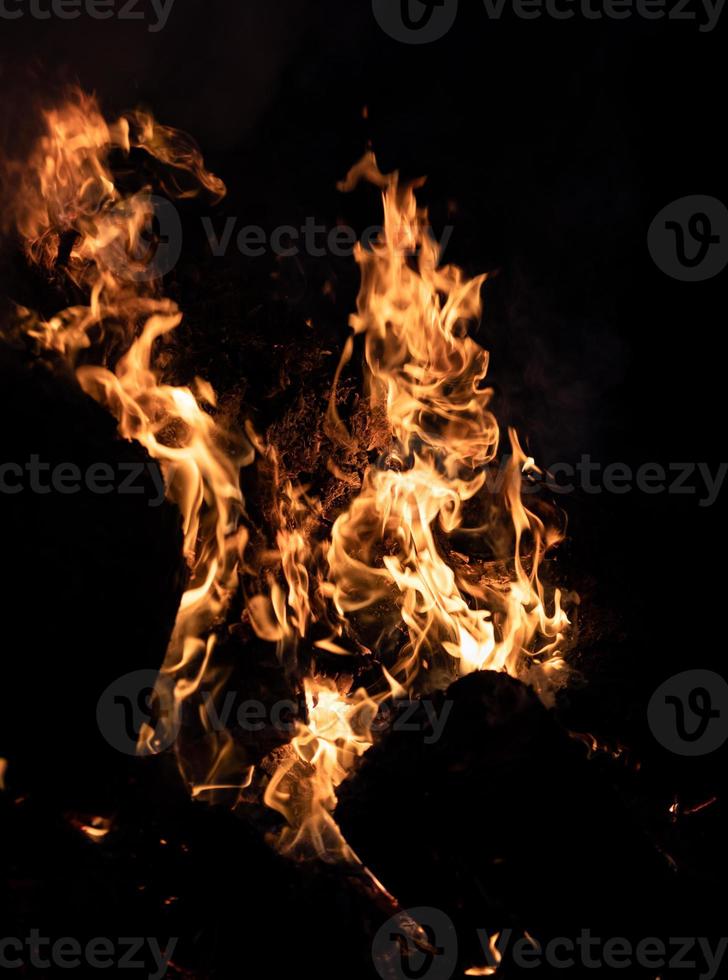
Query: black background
[[550, 146]]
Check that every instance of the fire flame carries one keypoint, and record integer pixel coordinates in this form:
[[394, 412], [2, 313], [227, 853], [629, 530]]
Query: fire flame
[[494, 960], [75, 222], [385, 564], [387, 570], [428, 374]]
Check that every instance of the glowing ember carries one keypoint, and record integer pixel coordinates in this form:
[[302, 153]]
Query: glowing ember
[[95, 828]]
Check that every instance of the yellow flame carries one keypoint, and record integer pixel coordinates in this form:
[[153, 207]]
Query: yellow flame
[[426, 374], [96, 829], [494, 958], [387, 566], [74, 220]]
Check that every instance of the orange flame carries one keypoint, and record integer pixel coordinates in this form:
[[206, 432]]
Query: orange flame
[[73, 220], [385, 553], [428, 374], [387, 565], [494, 960]]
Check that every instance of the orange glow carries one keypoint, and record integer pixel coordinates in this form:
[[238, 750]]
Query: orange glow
[[494, 959], [384, 564], [96, 829], [386, 570], [66, 192]]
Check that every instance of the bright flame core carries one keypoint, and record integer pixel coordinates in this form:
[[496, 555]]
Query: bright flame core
[[385, 565], [74, 222]]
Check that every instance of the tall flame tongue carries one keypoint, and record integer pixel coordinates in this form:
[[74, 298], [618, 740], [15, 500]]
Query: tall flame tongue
[[428, 375], [74, 220], [388, 550]]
